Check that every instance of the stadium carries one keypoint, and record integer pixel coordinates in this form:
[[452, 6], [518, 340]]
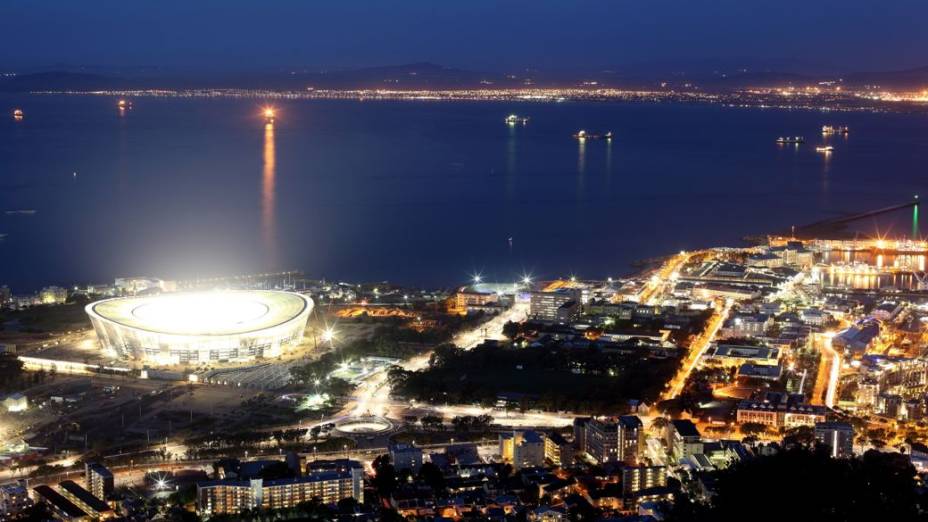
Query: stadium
[[201, 327]]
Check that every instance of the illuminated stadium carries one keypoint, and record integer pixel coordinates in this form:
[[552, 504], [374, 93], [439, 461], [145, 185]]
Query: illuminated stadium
[[190, 328]]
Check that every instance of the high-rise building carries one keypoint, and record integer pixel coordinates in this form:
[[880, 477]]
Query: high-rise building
[[631, 439], [558, 450], [602, 439], [838, 437], [579, 427], [683, 439], [99, 480]]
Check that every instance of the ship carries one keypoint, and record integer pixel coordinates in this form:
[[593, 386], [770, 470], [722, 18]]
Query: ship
[[584, 135], [826, 149], [787, 140], [124, 104], [268, 115], [835, 129], [513, 119], [17, 114]]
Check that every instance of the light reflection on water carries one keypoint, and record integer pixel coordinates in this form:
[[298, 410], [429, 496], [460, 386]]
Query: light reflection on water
[[268, 175], [859, 270], [413, 192]]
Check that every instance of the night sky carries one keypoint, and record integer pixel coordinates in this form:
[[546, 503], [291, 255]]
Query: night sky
[[500, 35]]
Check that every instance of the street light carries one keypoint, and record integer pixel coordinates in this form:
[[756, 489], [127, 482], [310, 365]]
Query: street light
[[328, 334]]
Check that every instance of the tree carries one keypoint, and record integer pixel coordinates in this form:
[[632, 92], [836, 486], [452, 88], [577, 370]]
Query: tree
[[877, 486], [347, 506], [384, 476], [512, 330], [800, 436], [659, 424], [753, 428], [432, 475]]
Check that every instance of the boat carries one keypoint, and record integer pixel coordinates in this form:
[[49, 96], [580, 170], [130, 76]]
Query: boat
[[268, 115], [17, 114], [513, 119], [584, 135], [835, 129], [124, 104], [826, 149], [790, 139]]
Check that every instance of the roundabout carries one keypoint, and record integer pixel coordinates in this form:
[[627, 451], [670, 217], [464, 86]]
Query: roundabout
[[364, 426]]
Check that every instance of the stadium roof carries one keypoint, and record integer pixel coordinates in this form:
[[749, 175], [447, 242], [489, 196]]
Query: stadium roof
[[217, 313]]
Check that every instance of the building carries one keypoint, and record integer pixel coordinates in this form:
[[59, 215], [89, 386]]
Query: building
[[200, 327], [14, 499], [560, 306], [234, 496], [760, 371], [467, 297], [610, 439], [683, 439], [557, 450], [522, 449], [16, 402], [838, 437], [857, 338], [601, 436], [99, 480], [638, 478], [579, 429], [53, 295], [141, 285], [780, 410], [734, 355], [405, 456], [631, 439], [61, 508], [746, 325], [90, 504]]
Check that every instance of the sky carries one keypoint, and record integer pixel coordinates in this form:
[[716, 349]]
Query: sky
[[485, 35]]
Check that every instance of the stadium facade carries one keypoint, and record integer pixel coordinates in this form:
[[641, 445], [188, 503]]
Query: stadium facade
[[201, 327]]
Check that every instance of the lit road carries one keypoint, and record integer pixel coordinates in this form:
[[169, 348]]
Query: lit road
[[372, 397], [656, 286], [697, 350], [829, 370], [492, 329]]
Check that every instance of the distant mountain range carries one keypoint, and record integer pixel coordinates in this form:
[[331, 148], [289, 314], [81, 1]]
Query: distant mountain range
[[429, 75]]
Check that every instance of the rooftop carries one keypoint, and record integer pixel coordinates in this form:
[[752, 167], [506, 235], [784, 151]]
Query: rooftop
[[203, 313]]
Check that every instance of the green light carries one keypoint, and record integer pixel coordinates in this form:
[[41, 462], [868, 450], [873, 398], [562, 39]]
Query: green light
[[915, 222]]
